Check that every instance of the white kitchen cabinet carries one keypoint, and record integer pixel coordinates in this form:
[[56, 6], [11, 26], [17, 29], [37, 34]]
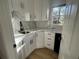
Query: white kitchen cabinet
[[49, 40], [40, 39], [45, 39], [23, 9], [15, 4], [37, 9], [29, 10], [27, 46], [40, 10], [32, 10], [30, 44], [17, 9], [21, 53], [18, 5], [33, 42], [45, 10], [20, 44]]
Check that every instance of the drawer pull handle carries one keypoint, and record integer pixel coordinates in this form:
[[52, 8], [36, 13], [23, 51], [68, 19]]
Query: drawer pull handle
[[49, 38]]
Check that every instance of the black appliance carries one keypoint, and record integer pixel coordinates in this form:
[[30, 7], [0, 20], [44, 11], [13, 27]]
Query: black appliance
[[57, 42]]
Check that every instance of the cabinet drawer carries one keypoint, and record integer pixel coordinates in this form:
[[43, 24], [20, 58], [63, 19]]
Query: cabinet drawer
[[50, 39], [51, 36], [49, 42], [20, 55], [50, 46]]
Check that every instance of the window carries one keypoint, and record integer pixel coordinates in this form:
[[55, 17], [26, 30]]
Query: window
[[58, 14]]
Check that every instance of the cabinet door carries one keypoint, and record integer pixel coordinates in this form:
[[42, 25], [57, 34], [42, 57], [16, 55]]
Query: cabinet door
[[40, 39], [33, 39], [45, 10], [38, 9], [14, 4], [41, 9], [27, 6], [20, 55], [23, 52], [49, 40], [31, 44], [27, 46], [17, 4], [29, 10]]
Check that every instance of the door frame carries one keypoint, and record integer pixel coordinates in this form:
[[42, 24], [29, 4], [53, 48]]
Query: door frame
[[7, 30]]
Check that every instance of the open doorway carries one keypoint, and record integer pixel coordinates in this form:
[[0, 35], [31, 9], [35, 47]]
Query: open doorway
[[36, 36], [42, 36]]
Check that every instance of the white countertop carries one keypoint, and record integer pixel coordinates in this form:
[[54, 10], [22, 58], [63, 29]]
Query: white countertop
[[19, 37]]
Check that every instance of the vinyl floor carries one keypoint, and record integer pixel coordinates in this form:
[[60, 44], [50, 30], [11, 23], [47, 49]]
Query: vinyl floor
[[43, 53]]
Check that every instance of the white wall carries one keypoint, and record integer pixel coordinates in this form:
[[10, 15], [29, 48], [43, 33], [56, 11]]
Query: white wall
[[6, 31], [69, 43], [2, 47], [75, 37]]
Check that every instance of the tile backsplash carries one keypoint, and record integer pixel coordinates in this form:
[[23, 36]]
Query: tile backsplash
[[35, 25], [29, 25]]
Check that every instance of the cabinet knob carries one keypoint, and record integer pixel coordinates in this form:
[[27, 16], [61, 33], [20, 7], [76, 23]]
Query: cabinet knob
[[14, 45]]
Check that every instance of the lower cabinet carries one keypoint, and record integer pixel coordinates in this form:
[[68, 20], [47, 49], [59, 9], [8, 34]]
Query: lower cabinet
[[30, 44], [27, 48], [49, 40], [45, 39], [35, 40], [40, 39], [21, 54]]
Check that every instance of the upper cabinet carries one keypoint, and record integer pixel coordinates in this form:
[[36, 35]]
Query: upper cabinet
[[18, 5], [45, 10], [37, 9], [18, 9], [31, 10], [41, 9]]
